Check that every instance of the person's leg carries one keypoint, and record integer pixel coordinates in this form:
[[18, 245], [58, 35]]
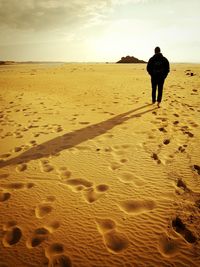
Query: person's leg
[[160, 90], [153, 85]]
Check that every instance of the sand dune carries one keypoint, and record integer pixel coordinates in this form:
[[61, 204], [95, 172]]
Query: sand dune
[[92, 174]]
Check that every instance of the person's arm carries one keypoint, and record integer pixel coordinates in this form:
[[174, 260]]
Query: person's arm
[[167, 67], [149, 67]]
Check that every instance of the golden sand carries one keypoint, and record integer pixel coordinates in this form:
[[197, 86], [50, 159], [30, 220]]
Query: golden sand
[[92, 174]]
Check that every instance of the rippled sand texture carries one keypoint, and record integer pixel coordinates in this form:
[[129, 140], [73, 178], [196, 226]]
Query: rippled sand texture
[[92, 174]]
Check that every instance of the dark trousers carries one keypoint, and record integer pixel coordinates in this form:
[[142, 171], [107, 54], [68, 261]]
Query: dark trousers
[[157, 82]]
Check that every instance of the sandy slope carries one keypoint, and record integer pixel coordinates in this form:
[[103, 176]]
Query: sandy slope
[[91, 174]]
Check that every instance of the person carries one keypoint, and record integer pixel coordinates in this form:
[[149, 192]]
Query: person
[[158, 68]]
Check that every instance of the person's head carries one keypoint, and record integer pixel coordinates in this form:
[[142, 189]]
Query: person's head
[[157, 50]]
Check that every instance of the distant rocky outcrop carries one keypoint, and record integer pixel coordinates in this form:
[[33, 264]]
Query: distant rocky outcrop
[[6, 62], [129, 59]]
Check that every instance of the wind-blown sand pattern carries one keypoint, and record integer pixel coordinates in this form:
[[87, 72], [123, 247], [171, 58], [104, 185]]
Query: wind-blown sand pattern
[[92, 174]]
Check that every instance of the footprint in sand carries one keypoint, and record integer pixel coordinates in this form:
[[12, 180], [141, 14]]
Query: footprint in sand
[[4, 196], [78, 184], [102, 188], [181, 229], [8, 134], [29, 185], [14, 186], [115, 165], [54, 249], [105, 225], [56, 256], [21, 167], [166, 141], [180, 149], [44, 208], [18, 135], [181, 184], [189, 134], [64, 173], [58, 129], [194, 124], [36, 135], [133, 207], [41, 234], [114, 240], [5, 156], [176, 115], [92, 194], [196, 168], [17, 149], [156, 158], [12, 234], [53, 226], [17, 185], [45, 166], [128, 177], [123, 160], [167, 246], [184, 129]]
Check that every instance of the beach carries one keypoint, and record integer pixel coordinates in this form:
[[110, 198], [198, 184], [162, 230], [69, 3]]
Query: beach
[[91, 173]]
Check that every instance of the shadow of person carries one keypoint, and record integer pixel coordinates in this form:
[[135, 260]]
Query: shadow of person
[[72, 139]]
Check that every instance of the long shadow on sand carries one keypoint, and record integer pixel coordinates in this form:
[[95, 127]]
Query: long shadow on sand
[[72, 139]]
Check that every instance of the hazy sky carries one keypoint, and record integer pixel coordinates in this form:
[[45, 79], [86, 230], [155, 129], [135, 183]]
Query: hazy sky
[[99, 30]]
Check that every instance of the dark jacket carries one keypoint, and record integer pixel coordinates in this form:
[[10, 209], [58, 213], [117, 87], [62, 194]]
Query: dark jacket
[[158, 66]]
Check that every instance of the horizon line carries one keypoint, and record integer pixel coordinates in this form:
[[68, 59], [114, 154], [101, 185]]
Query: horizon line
[[82, 62]]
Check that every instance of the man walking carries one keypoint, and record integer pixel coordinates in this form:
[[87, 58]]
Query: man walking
[[158, 69]]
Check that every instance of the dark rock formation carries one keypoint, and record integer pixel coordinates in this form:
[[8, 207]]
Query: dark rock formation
[[129, 59], [7, 62]]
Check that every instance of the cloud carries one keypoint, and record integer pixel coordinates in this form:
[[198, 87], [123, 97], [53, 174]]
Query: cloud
[[49, 14]]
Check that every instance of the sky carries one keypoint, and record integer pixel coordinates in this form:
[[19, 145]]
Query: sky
[[99, 30]]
